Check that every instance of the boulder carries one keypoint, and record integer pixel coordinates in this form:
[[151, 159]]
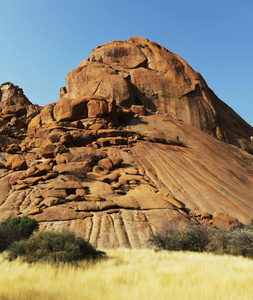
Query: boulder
[[106, 164], [48, 151], [16, 163], [223, 220], [67, 109], [46, 114], [58, 193], [104, 190], [93, 197], [97, 107], [74, 168]]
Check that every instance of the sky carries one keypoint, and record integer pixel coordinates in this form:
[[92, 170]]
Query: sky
[[41, 40]]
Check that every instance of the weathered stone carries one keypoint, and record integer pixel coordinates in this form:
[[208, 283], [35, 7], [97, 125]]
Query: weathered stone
[[223, 220], [67, 185], [60, 159], [50, 201], [81, 192], [75, 168], [108, 178], [96, 126], [31, 171], [33, 180], [92, 197], [104, 190], [16, 162], [48, 151], [44, 167], [97, 107], [46, 114], [58, 193], [67, 109], [106, 164]]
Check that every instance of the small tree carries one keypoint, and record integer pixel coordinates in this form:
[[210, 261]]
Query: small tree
[[16, 229]]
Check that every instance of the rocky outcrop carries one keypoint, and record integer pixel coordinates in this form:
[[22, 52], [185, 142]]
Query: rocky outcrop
[[139, 71], [16, 111], [111, 161]]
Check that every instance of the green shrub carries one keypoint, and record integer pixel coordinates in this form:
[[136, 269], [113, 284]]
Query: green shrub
[[53, 247], [16, 229], [24, 225]]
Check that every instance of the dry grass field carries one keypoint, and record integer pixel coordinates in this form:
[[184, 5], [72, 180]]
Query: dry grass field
[[132, 274]]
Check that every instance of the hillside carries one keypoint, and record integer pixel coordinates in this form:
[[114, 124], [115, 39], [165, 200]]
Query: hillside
[[136, 143]]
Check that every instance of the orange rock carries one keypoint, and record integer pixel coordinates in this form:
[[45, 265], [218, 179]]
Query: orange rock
[[96, 126], [97, 108], [67, 109], [106, 164], [48, 151], [46, 114], [223, 220], [75, 168], [160, 81], [16, 162]]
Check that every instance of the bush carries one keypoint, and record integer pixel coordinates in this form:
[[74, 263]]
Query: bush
[[53, 247], [16, 229], [238, 241], [194, 238]]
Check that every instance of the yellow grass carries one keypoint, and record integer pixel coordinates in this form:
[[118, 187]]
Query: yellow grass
[[132, 274]]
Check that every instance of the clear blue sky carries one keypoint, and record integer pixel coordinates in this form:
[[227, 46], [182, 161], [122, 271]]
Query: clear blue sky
[[41, 40]]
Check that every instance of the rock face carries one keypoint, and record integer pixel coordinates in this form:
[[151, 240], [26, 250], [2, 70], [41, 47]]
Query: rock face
[[12, 95], [139, 71], [102, 162], [15, 110]]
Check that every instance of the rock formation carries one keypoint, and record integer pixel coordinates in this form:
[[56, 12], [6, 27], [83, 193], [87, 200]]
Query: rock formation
[[142, 72], [136, 143]]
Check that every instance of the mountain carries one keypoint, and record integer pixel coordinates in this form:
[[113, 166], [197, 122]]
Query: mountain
[[136, 143]]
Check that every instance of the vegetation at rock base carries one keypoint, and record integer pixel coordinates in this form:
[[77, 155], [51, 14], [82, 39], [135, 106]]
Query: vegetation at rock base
[[237, 241], [16, 229], [53, 247], [132, 274]]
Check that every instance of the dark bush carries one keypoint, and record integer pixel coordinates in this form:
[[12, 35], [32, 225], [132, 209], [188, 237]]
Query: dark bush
[[238, 241], [16, 229], [53, 247], [193, 238]]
